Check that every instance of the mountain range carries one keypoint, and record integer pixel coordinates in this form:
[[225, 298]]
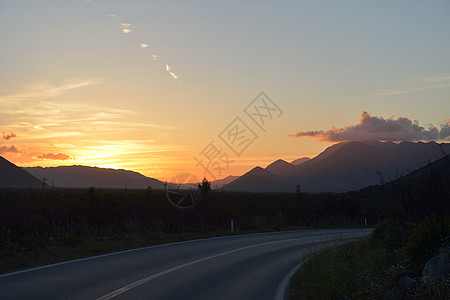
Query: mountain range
[[12, 176], [342, 167], [83, 176]]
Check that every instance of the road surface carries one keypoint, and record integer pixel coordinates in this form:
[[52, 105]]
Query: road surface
[[250, 266]]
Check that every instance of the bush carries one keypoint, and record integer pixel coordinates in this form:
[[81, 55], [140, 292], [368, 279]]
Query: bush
[[424, 240], [392, 234]]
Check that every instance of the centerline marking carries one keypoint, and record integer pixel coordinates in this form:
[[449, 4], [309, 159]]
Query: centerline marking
[[176, 268]]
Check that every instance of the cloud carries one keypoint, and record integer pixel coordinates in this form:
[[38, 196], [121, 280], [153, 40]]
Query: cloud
[[51, 121], [444, 77], [155, 57], [412, 90], [125, 27], [36, 120], [59, 156], [44, 90], [144, 45], [112, 15], [423, 84], [11, 149], [396, 92], [169, 69], [445, 130], [8, 136], [372, 127]]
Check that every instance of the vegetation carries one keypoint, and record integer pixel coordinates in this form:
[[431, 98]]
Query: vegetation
[[352, 270], [35, 223], [415, 227]]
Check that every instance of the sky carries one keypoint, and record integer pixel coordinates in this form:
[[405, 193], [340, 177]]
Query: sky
[[214, 88]]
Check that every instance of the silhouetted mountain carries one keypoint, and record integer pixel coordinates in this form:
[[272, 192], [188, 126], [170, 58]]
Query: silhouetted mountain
[[383, 145], [11, 176], [440, 166], [216, 184], [326, 153], [299, 161], [342, 167], [351, 166], [82, 176], [280, 167], [413, 180], [258, 179]]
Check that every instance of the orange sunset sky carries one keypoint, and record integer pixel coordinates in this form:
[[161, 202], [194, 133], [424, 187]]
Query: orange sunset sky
[[161, 87]]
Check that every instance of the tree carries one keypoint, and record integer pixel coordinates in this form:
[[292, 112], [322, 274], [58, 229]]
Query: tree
[[297, 190], [148, 192], [205, 186]]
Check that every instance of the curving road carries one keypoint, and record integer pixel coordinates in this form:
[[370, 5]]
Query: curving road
[[251, 266]]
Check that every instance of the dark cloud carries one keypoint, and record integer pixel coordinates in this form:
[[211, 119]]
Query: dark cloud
[[378, 128], [445, 130], [59, 156], [11, 149], [7, 136]]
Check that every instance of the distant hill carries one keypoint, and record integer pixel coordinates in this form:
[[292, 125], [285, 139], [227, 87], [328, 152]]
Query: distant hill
[[340, 168], [258, 179], [441, 166], [280, 168], [83, 176], [300, 160], [11, 176], [413, 180], [346, 166], [217, 184]]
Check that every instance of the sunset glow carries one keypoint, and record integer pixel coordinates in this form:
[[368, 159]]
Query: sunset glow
[[147, 86]]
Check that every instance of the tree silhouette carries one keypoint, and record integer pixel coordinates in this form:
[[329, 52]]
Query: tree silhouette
[[297, 190], [205, 186]]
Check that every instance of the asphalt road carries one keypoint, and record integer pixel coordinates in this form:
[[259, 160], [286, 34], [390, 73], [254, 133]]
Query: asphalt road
[[249, 266]]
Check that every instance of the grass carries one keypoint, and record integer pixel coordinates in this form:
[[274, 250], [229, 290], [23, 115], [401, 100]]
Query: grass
[[356, 270], [363, 269]]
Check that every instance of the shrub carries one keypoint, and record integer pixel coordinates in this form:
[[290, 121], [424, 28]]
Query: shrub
[[424, 240]]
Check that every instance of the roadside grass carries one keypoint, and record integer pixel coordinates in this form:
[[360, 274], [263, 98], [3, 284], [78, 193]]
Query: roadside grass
[[362, 269], [356, 270]]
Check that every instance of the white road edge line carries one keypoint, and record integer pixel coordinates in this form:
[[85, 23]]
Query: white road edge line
[[173, 269], [280, 294]]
